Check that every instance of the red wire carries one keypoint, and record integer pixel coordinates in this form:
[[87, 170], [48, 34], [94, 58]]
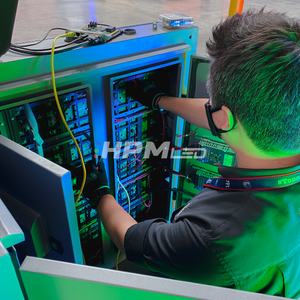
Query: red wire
[[183, 135], [129, 163], [140, 163], [131, 116], [120, 120], [175, 173], [137, 178], [147, 205], [141, 176]]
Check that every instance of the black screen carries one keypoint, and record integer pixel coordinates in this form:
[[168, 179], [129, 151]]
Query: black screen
[[8, 10]]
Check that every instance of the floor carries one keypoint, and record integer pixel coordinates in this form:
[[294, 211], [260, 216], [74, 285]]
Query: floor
[[35, 17]]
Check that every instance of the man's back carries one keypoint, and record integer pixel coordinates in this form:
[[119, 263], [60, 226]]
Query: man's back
[[245, 240]]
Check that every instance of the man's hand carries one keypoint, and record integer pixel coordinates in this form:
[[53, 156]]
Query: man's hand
[[114, 218], [148, 95], [96, 185]]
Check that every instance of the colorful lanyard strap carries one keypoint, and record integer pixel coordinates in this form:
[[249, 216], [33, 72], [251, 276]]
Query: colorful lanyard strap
[[259, 183]]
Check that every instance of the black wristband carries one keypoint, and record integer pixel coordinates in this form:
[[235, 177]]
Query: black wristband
[[156, 101], [97, 196]]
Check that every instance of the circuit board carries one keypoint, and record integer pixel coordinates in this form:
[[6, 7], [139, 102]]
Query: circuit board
[[60, 148], [134, 127], [134, 123], [216, 153], [211, 153]]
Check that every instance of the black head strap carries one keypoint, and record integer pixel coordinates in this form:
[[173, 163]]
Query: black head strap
[[214, 130]]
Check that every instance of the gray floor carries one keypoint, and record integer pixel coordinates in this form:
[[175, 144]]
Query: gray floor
[[36, 17]]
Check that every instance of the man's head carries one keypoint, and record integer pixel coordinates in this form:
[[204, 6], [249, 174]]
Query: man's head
[[255, 72]]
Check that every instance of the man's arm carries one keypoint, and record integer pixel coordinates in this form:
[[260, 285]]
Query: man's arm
[[191, 110], [115, 220]]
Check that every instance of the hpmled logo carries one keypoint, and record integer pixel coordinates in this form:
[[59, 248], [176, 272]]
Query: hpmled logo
[[124, 149]]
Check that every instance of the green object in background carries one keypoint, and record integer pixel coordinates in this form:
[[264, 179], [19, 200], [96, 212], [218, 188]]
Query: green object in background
[[228, 160]]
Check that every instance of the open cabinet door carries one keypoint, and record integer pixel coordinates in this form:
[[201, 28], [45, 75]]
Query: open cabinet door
[[39, 195], [46, 279], [211, 150]]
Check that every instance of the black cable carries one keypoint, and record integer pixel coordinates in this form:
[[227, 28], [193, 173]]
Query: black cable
[[103, 24], [36, 43], [175, 173], [83, 38], [38, 53]]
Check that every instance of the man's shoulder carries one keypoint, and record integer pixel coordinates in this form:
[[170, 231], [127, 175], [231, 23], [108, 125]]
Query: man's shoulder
[[219, 213], [210, 208]]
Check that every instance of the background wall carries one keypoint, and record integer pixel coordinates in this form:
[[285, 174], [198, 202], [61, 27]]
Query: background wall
[[36, 17]]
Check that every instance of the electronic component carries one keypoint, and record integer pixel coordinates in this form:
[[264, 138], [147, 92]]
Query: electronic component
[[110, 29], [97, 34], [201, 176], [175, 20], [197, 177], [204, 164], [133, 128], [133, 123], [59, 148], [216, 153]]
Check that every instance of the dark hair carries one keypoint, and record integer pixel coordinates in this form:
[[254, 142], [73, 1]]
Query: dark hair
[[255, 72]]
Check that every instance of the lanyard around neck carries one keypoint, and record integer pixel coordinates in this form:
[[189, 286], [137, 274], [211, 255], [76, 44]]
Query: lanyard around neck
[[258, 183]]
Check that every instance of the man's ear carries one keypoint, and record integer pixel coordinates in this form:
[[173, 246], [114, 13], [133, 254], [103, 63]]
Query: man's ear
[[223, 118]]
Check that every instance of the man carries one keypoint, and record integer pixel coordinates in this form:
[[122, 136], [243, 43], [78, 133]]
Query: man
[[244, 239]]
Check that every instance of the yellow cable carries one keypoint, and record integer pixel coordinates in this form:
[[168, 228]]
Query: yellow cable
[[83, 258], [61, 113], [86, 226], [95, 256], [117, 260]]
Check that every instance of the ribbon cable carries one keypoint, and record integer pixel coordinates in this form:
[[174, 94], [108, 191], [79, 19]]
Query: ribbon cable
[[259, 183]]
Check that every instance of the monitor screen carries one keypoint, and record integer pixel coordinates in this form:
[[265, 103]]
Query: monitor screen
[[8, 9]]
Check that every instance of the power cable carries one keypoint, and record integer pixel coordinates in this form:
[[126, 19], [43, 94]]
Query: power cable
[[36, 43], [41, 52], [83, 38]]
